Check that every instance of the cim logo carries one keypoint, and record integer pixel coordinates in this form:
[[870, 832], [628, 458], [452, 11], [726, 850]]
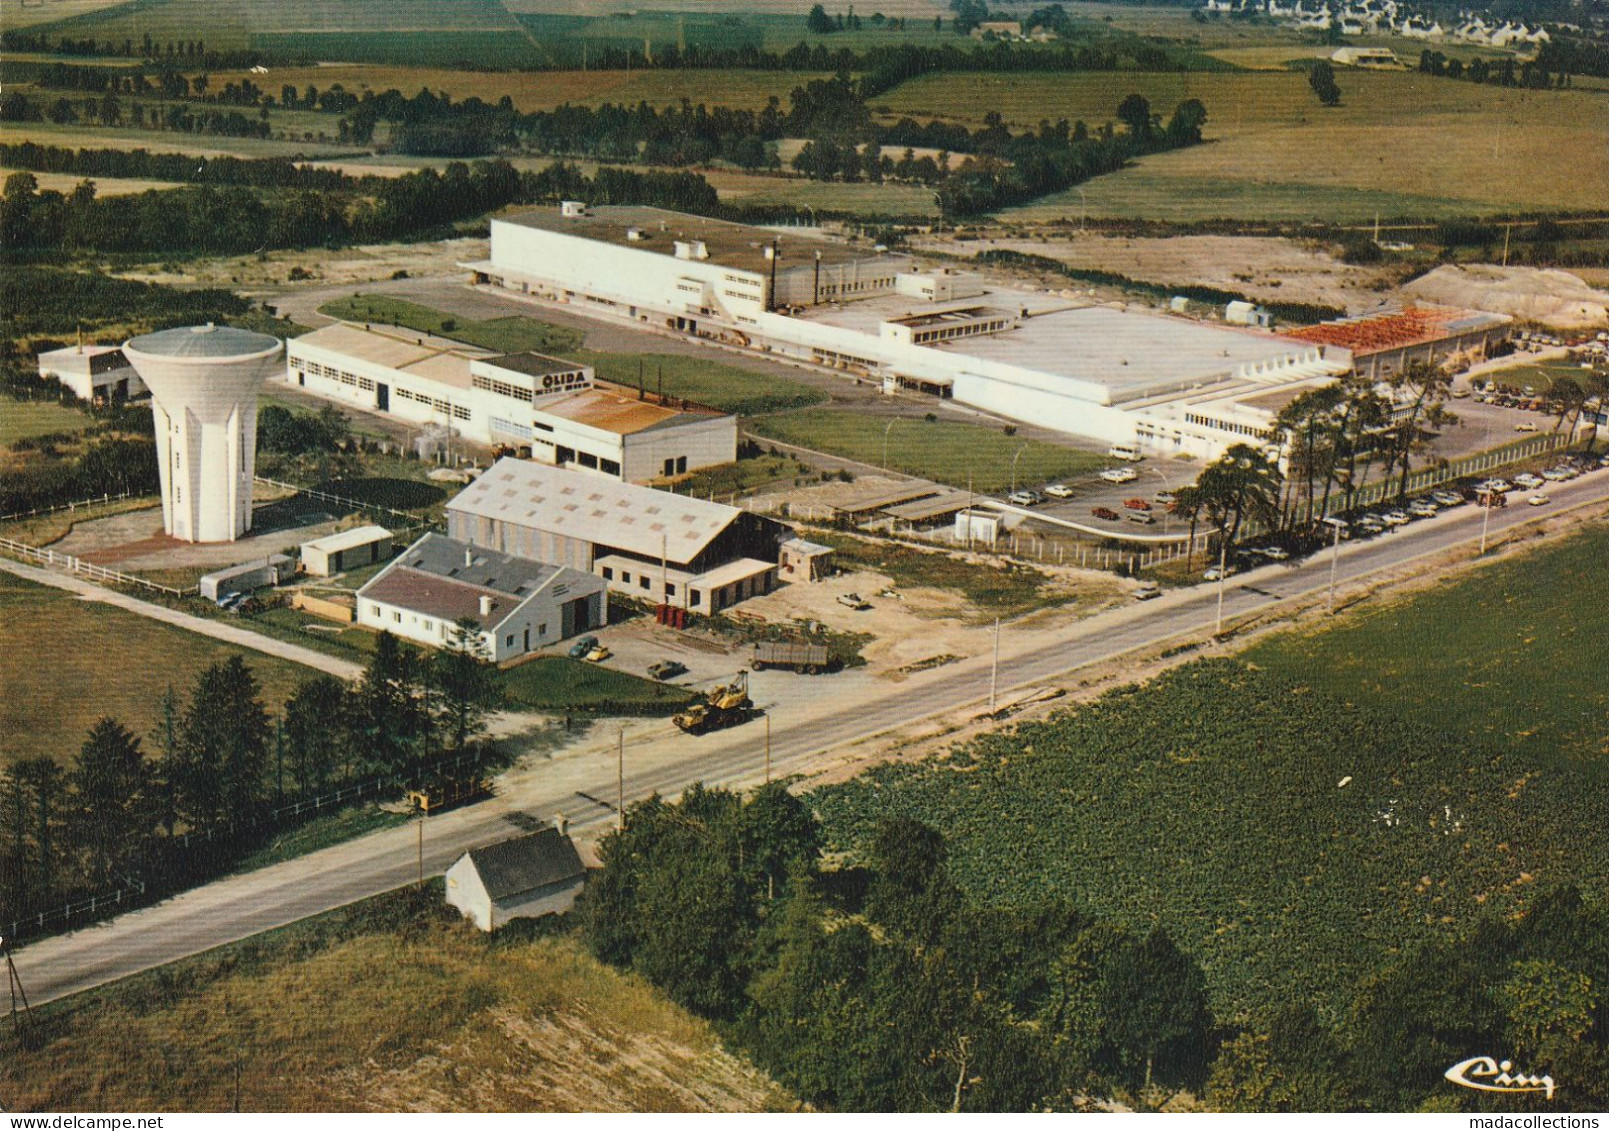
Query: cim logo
[[1484, 1074]]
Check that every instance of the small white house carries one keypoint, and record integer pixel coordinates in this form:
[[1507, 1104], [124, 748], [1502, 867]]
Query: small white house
[[515, 604], [524, 878], [346, 549]]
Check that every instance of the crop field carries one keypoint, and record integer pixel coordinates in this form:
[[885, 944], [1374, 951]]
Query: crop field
[[25, 15], [1512, 658], [22, 419], [558, 683], [100, 660], [541, 90], [506, 335], [726, 387], [944, 451], [104, 186], [1400, 144], [1299, 815], [160, 141], [393, 1004]]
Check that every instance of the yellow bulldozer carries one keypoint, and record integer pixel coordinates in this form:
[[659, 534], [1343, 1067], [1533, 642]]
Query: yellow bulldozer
[[725, 706]]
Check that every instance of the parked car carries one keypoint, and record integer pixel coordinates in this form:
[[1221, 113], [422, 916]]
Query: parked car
[[1120, 475], [1214, 573], [1422, 508], [1144, 518], [581, 647], [1059, 491], [1559, 474], [854, 601], [1106, 513], [599, 654], [1528, 481], [1500, 486], [1137, 504], [1272, 553], [1447, 498], [1166, 498], [667, 669], [1525, 426], [1023, 498], [1147, 590], [1539, 500]]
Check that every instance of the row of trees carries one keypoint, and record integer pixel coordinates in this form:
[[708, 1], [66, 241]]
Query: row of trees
[[880, 987], [1532, 74], [221, 759], [107, 110]]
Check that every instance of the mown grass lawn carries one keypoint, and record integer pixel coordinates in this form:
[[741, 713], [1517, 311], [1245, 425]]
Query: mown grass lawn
[[21, 420], [558, 683], [505, 335], [64, 663], [944, 451], [703, 380]]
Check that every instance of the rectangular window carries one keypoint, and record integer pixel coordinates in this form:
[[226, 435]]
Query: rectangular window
[[644, 582], [670, 589], [430, 626], [508, 641], [608, 573], [625, 576], [374, 610], [609, 466], [397, 617], [698, 598]]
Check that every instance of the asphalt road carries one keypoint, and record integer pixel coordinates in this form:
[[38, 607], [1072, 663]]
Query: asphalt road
[[581, 783]]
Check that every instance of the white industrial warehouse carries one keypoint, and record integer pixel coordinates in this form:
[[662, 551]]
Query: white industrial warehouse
[[653, 545], [1166, 384], [551, 406]]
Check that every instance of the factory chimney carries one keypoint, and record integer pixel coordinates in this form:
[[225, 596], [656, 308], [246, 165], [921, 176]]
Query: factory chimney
[[485, 605]]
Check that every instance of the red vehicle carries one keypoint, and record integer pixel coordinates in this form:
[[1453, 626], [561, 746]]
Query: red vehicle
[[1137, 504], [1106, 513]]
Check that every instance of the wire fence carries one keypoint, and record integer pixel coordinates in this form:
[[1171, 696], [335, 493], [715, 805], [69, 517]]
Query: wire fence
[[79, 566], [342, 500], [41, 922]]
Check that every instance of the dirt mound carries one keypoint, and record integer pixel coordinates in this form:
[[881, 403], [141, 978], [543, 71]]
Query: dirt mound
[[1553, 298]]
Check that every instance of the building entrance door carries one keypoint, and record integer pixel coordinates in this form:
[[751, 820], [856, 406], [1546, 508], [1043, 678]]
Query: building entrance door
[[382, 398]]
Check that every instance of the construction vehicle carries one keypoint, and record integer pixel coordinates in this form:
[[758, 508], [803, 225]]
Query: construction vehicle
[[727, 705], [794, 654]]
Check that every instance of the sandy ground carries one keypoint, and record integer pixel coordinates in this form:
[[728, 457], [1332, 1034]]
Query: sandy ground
[[134, 541], [1266, 268], [1559, 299], [364, 264]]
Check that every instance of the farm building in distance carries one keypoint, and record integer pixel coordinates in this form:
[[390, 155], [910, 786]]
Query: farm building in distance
[[515, 604], [346, 549], [524, 878], [1107, 374], [652, 545], [1377, 345], [92, 372], [1377, 58], [524, 400]]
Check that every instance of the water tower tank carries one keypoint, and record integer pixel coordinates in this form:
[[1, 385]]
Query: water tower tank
[[204, 382]]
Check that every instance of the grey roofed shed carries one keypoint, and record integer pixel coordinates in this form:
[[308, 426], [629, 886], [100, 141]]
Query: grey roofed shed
[[522, 878]]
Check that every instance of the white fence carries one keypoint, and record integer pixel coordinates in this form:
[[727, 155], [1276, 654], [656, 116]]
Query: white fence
[[325, 496], [74, 506], [67, 562]]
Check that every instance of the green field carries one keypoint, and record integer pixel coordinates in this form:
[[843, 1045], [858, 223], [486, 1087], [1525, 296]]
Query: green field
[[1400, 143], [161, 141], [393, 1004], [714, 383], [1301, 815], [20, 420], [942, 450], [558, 683], [65, 662], [994, 589], [1513, 657], [505, 335], [1538, 375]]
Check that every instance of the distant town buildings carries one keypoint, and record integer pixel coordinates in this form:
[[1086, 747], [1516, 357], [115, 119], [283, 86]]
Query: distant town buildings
[[1388, 17]]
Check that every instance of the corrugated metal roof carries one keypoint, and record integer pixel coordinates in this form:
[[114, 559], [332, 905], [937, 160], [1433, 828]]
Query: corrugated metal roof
[[591, 508], [347, 539]]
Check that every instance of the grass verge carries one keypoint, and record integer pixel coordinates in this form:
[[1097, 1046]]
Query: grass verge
[[558, 683], [505, 335]]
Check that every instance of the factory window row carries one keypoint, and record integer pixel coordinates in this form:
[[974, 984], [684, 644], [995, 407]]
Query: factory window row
[[691, 288], [947, 332], [501, 388], [831, 357], [745, 296], [509, 428], [341, 375], [457, 412], [1227, 426]]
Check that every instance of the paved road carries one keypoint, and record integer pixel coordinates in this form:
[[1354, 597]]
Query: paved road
[[581, 782]]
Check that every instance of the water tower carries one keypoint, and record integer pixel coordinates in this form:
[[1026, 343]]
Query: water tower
[[204, 382]]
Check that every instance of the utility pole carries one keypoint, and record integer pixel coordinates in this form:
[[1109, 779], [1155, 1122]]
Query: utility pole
[[620, 783], [21, 1019], [1223, 568], [1486, 501], [421, 842], [768, 749], [1335, 559], [994, 668]]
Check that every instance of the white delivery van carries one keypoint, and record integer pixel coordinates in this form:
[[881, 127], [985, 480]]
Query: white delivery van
[[1129, 452]]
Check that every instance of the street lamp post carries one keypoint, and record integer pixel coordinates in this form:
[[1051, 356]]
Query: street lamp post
[[1223, 568], [1335, 558], [886, 431], [1014, 460]]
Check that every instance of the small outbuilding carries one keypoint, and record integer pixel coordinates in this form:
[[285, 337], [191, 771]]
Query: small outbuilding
[[524, 878], [247, 577], [799, 560], [346, 549], [92, 372]]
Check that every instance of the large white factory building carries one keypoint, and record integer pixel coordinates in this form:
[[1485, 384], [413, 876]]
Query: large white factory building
[[1166, 384]]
